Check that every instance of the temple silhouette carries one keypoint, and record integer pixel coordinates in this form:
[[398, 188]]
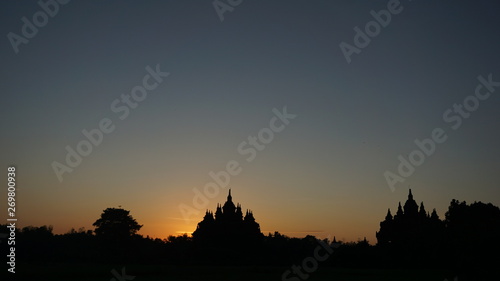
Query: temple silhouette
[[412, 234], [410, 224], [227, 227]]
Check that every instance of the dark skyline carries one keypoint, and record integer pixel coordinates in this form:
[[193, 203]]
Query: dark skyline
[[225, 78]]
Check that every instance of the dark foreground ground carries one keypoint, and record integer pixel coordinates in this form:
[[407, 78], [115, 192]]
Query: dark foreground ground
[[94, 272]]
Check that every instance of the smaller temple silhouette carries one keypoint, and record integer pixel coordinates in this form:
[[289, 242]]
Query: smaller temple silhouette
[[227, 227], [412, 235], [411, 224]]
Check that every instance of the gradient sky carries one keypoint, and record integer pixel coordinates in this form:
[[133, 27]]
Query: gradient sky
[[323, 175]]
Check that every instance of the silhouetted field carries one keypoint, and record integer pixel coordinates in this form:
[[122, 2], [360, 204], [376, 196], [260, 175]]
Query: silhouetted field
[[412, 245], [80, 272]]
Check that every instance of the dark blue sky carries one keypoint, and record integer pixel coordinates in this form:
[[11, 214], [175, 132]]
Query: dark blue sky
[[323, 174]]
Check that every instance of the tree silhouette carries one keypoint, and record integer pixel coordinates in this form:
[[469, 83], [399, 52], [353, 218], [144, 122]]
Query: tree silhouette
[[465, 243], [116, 223], [472, 232]]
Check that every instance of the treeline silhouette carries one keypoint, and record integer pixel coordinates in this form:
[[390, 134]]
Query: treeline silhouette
[[467, 239], [35, 244]]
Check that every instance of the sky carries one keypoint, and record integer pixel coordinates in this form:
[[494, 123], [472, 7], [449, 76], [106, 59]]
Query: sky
[[358, 93]]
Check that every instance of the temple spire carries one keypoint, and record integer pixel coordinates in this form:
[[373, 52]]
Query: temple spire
[[389, 215], [399, 213], [229, 197]]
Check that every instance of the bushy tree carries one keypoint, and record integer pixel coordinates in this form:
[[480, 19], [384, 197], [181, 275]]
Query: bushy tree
[[116, 223]]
